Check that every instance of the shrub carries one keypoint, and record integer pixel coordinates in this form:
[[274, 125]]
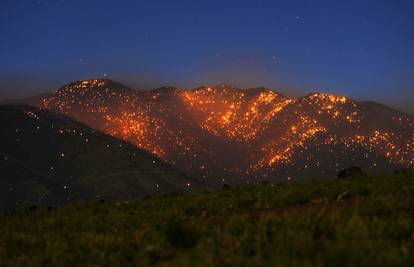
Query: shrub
[[353, 172]]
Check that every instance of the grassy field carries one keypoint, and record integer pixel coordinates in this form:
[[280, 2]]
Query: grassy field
[[352, 222]]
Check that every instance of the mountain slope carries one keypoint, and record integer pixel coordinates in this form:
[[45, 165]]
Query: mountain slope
[[46, 158], [231, 135]]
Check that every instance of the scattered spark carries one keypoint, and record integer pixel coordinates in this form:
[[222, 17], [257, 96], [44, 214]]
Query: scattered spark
[[240, 116]]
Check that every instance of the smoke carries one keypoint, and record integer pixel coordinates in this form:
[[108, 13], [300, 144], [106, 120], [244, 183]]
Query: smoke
[[245, 71]]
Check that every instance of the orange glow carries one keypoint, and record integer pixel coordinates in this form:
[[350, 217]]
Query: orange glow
[[173, 124]]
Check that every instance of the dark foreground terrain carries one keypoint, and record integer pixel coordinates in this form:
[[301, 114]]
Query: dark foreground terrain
[[365, 221]]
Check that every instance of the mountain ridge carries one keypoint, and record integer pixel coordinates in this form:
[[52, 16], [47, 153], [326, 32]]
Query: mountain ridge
[[106, 81], [198, 129]]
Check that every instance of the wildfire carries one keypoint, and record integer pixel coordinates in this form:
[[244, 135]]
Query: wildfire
[[177, 125]]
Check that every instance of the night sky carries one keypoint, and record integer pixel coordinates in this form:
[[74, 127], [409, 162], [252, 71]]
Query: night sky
[[363, 49]]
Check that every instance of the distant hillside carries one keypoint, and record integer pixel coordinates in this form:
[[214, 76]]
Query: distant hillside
[[48, 159], [29, 101], [230, 135]]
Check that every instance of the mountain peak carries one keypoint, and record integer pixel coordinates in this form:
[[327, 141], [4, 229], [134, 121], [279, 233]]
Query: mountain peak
[[84, 85], [262, 90], [323, 97], [89, 83]]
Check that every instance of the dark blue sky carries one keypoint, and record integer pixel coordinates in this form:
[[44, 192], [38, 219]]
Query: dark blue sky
[[363, 49]]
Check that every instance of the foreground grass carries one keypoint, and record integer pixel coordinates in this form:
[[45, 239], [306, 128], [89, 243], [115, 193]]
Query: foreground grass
[[355, 222]]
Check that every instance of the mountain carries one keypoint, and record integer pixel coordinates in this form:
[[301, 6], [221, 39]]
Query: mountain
[[48, 158], [229, 135]]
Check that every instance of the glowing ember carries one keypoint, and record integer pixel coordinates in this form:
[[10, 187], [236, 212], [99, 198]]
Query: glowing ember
[[225, 130]]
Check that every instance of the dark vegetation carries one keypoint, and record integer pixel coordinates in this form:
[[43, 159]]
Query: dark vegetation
[[353, 172], [358, 221]]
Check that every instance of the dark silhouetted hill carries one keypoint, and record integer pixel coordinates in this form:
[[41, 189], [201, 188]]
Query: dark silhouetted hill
[[48, 159]]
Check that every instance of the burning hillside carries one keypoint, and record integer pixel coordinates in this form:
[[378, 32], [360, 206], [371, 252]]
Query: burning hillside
[[225, 132]]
